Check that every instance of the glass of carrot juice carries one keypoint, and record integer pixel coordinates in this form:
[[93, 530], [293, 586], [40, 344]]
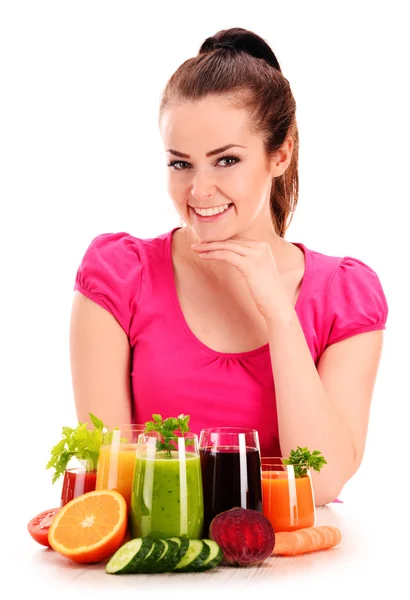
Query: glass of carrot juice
[[287, 495], [116, 462]]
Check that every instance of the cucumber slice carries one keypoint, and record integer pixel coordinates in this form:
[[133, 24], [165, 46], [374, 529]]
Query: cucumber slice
[[129, 555], [147, 565], [169, 558], [214, 558], [196, 554], [182, 544]]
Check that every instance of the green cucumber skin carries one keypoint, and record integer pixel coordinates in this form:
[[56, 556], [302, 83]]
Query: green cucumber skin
[[148, 564], [171, 558], [197, 561], [143, 561], [130, 566], [214, 559], [196, 564], [183, 543], [158, 565]]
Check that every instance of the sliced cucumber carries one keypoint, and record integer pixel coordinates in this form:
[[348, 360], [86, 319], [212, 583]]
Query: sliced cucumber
[[148, 564], [178, 554], [196, 554], [129, 555], [182, 545], [169, 558], [214, 558]]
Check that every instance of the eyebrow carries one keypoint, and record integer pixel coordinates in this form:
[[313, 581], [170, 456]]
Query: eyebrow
[[211, 153]]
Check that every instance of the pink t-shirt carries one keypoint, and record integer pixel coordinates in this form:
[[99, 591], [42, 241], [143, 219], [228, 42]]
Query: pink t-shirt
[[173, 372]]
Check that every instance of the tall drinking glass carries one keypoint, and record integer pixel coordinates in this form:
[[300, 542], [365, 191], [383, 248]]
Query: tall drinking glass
[[167, 496], [288, 500], [116, 461], [231, 470]]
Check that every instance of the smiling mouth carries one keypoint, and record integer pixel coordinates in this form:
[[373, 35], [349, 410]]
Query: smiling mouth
[[213, 216], [214, 210]]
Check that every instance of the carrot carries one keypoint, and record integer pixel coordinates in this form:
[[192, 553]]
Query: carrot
[[309, 539]]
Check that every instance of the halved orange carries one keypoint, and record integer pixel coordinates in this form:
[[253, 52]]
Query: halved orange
[[91, 527]]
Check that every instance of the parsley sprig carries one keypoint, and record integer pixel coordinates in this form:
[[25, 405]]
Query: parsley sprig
[[302, 459], [81, 443], [166, 429]]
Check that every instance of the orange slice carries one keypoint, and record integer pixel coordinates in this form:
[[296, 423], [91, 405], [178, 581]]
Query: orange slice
[[91, 527]]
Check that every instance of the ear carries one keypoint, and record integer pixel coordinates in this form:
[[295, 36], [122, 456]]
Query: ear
[[282, 157]]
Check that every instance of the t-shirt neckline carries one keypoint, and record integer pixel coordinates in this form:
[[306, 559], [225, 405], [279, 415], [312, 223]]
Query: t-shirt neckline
[[178, 308]]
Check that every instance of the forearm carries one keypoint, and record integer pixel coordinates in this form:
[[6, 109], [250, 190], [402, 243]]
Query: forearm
[[306, 416]]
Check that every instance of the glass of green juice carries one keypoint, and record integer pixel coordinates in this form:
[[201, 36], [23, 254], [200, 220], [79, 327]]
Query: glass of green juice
[[167, 496]]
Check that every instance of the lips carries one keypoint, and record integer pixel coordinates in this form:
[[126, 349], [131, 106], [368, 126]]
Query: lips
[[211, 218], [206, 207]]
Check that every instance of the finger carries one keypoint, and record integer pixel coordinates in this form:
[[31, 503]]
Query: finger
[[225, 255], [228, 245], [242, 239]]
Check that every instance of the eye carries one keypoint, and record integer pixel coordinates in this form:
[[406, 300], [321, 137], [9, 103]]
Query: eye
[[236, 159], [173, 164]]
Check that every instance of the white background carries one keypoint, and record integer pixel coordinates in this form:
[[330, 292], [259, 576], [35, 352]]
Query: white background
[[81, 155]]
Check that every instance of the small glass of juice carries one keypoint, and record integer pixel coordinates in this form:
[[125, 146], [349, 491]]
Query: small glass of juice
[[116, 460], [287, 495], [79, 478], [167, 497]]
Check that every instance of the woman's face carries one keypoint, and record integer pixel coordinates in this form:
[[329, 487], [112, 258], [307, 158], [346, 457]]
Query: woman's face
[[239, 176]]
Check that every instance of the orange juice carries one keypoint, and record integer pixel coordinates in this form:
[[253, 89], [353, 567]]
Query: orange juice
[[116, 469], [287, 502]]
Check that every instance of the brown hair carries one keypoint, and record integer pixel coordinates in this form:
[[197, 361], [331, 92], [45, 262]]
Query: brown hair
[[239, 64]]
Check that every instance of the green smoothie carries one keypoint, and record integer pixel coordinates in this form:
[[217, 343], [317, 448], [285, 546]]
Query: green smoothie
[[166, 498]]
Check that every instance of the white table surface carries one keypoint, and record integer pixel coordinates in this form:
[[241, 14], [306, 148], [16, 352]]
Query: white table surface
[[371, 558]]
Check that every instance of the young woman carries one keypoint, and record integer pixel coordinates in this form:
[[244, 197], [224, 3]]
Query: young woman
[[244, 329]]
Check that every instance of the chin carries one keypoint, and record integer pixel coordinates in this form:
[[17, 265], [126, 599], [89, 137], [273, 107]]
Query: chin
[[212, 236]]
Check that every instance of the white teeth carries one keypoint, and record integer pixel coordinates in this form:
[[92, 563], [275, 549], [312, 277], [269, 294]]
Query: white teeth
[[207, 212]]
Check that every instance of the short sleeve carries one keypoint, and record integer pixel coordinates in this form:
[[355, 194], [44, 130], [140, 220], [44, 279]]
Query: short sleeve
[[356, 302], [110, 274]]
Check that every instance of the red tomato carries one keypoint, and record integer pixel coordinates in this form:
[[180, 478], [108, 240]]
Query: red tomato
[[39, 526]]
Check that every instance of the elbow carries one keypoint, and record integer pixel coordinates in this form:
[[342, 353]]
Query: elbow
[[326, 494], [328, 487], [324, 499]]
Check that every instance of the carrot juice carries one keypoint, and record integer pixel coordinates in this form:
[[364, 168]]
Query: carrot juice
[[116, 469], [287, 501]]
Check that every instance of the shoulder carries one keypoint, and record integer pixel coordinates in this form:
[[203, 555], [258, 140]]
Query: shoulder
[[111, 272], [111, 243], [121, 249], [339, 271], [354, 283], [348, 294]]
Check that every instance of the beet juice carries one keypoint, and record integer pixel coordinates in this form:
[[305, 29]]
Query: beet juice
[[230, 478]]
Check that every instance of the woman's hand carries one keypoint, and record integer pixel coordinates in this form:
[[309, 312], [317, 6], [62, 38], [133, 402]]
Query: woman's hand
[[255, 262]]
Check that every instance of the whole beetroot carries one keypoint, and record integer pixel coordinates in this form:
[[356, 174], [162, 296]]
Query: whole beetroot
[[245, 536]]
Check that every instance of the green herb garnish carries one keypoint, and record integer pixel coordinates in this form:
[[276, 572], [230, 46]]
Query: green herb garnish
[[302, 459], [80, 443], [166, 429]]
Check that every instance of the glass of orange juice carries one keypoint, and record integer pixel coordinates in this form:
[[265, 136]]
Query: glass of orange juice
[[116, 462], [287, 495]]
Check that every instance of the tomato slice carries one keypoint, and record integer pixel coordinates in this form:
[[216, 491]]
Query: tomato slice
[[38, 526]]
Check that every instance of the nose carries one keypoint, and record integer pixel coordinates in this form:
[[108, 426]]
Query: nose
[[202, 186]]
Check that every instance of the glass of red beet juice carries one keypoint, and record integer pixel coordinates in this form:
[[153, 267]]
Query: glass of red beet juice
[[231, 470]]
